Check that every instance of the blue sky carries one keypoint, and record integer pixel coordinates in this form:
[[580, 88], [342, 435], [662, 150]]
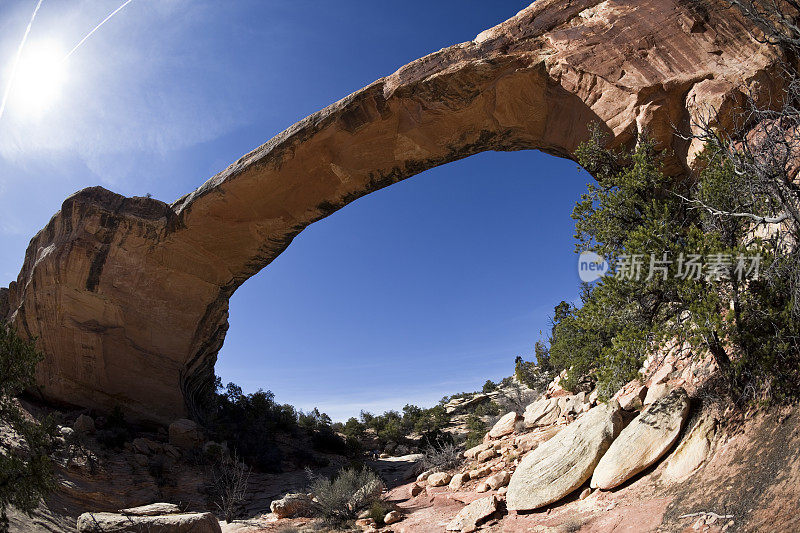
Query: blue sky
[[423, 289]]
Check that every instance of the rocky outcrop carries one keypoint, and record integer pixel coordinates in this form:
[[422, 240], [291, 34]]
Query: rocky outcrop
[[644, 441], [563, 463], [127, 523], [154, 509], [461, 404], [548, 411], [129, 296]]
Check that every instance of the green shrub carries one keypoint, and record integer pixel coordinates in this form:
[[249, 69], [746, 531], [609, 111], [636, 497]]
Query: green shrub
[[443, 455], [487, 409], [476, 430], [378, 512]]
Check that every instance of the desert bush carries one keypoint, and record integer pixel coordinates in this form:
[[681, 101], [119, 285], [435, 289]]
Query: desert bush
[[228, 484], [347, 494], [443, 456], [516, 397], [26, 473]]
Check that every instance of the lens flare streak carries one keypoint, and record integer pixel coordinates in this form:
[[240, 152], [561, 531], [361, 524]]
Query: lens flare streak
[[16, 59], [96, 28]]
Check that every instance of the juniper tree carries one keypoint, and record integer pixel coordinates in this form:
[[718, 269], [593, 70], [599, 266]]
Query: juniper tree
[[25, 469], [635, 212]]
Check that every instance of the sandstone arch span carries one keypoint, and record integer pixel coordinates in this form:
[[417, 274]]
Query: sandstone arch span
[[129, 296]]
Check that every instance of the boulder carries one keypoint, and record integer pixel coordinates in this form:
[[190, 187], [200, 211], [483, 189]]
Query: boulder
[[542, 412], [291, 505], [632, 397], [415, 490], [563, 463], [486, 455], [473, 514], [692, 451], [392, 517], [655, 393], [480, 472], [367, 524], [498, 480], [424, 476], [439, 479], [145, 446], [662, 374], [473, 452], [458, 480], [185, 434], [504, 426], [84, 424], [173, 523], [643, 442]]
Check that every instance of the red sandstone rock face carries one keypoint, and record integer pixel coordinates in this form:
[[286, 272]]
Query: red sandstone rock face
[[129, 296]]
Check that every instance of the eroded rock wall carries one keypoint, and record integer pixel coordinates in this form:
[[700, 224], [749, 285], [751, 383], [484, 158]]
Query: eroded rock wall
[[129, 296]]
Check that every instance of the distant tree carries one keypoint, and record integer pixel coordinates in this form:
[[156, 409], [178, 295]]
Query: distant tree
[[489, 386], [26, 474], [314, 420], [533, 374], [249, 423], [353, 428]]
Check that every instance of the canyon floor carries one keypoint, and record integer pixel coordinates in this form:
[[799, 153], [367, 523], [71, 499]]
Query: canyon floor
[[727, 470]]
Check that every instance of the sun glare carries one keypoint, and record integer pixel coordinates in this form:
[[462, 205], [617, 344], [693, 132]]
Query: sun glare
[[40, 78]]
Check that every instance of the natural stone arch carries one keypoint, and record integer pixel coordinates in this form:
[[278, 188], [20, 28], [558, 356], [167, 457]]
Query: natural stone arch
[[129, 296]]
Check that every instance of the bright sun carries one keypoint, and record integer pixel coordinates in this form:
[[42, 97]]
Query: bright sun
[[40, 77]]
